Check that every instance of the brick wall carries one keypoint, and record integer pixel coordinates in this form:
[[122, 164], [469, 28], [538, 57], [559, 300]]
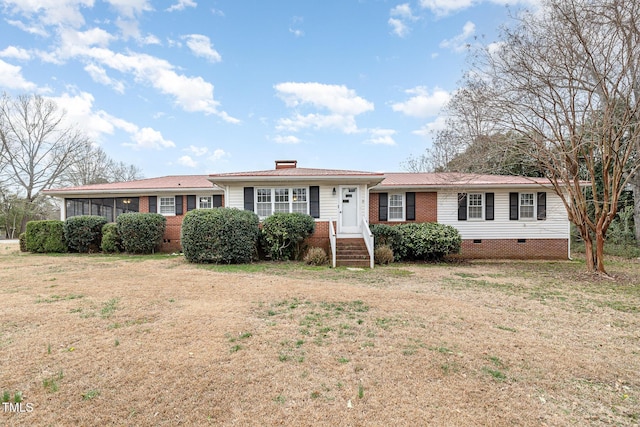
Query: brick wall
[[320, 237], [426, 208], [515, 249]]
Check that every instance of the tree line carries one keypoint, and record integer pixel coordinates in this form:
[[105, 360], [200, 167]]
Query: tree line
[[557, 96], [39, 150]]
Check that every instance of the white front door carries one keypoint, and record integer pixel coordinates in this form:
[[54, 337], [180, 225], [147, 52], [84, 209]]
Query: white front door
[[349, 210]]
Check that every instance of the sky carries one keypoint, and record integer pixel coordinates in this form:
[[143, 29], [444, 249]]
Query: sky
[[209, 86]]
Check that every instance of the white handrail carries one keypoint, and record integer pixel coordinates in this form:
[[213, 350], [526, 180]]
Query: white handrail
[[332, 240], [368, 239]]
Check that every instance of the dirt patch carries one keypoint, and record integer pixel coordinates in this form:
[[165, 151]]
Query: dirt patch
[[96, 340]]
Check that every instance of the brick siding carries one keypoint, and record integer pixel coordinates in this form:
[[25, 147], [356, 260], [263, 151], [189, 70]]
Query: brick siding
[[512, 249], [426, 208]]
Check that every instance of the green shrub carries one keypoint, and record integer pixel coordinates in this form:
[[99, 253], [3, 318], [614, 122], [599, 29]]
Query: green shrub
[[383, 254], [111, 243], [316, 256], [221, 235], [141, 233], [23, 242], [284, 234], [384, 234], [45, 236], [426, 241], [83, 233]]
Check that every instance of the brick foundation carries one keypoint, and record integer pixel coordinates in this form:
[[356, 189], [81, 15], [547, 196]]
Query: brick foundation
[[515, 249]]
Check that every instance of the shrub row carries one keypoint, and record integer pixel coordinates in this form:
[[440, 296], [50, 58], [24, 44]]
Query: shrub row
[[417, 241], [229, 235], [132, 232]]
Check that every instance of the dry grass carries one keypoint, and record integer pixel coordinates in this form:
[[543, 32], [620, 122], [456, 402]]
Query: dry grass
[[96, 340]]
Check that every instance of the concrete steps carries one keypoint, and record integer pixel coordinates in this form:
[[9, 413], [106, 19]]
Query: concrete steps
[[352, 252]]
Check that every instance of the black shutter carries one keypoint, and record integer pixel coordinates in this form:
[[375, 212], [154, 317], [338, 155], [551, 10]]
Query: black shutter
[[542, 205], [383, 206], [248, 199], [314, 201], [488, 207], [411, 206], [217, 200], [191, 203], [513, 206], [153, 204], [179, 205], [462, 206]]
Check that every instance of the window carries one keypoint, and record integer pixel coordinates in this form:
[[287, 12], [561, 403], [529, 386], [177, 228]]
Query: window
[[527, 205], [263, 202], [475, 206], [168, 205], [205, 202], [281, 200], [396, 207], [299, 200], [281, 197]]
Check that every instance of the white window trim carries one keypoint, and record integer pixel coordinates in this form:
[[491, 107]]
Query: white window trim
[[273, 197], [199, 204], [535, 207], [403, 206], [482, 207], [173, 204]]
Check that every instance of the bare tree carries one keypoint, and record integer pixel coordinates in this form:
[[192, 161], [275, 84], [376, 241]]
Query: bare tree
[[566, 79], [37, 146], [97, 167]]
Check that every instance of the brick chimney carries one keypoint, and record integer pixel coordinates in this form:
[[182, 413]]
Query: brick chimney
[[286, 164]]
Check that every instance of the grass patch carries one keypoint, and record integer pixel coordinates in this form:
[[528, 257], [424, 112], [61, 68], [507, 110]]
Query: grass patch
[[91, 394], [51, 384], [108, 308], [56, 298]]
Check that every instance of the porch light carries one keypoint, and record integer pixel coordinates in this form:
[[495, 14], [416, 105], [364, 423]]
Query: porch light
[[334, 191]]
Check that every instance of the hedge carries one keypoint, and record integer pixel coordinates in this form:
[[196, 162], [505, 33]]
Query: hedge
[[221, 235], [111, 242], [426, 241], [284, 234], [141, 233], [45, 236], [84, 233]]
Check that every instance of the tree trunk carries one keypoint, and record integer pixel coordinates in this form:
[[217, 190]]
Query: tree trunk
[[599, 255], [635, 185], [589, 254]]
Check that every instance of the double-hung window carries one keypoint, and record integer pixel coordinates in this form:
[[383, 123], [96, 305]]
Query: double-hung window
[[263, 202], [281, 200], [205, 202], [527, 205], [168, 205], [475, 205], [396, 207]]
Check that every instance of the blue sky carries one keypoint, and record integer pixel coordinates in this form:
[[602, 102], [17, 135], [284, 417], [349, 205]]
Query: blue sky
[[195, 86]]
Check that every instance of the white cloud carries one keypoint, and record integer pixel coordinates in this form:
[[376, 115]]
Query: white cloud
[[200, 45], [288, 139], [150, 39], [11, 78], [218, 154], [15, 52], [197, 151], [50, 12], [296, 21], [381, 137], [181, 5], [130, 8], [188, 162], [335, 98], [400, 16], [99, 75], [446, 7], [31, 29], [430, 128], [148, 138], [422, 104], [459, 43], [345, 124]]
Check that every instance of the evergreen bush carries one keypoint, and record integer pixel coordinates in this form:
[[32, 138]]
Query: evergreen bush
[[141, 233], [221, 235], [111, 243], [84, 233], [45, 236], [384, 234], [284, 234], [426, 241], [23, 242]]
